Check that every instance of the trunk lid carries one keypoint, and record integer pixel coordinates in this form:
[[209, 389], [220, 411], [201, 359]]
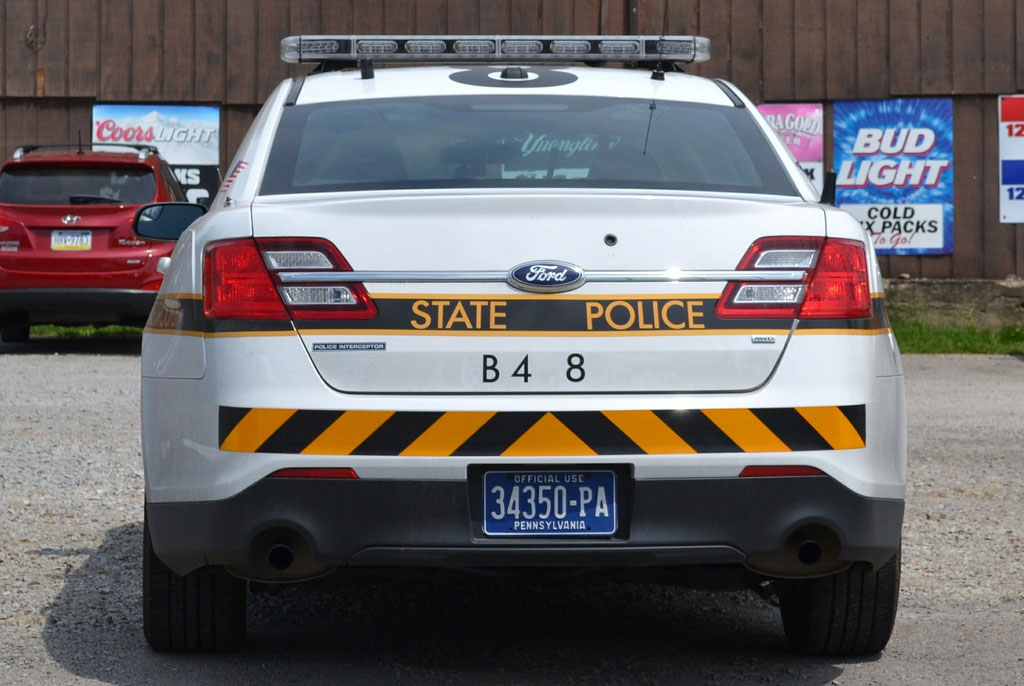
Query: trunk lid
[[477, 334]]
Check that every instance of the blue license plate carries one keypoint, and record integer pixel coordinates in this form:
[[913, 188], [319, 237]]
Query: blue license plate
[[550, 503]]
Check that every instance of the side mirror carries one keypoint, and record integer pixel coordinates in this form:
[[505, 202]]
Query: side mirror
[[165, 221]]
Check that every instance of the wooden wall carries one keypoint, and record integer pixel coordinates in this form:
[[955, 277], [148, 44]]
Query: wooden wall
[[59, 57]]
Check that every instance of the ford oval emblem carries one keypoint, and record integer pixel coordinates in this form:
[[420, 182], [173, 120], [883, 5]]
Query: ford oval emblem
[[547, 276]]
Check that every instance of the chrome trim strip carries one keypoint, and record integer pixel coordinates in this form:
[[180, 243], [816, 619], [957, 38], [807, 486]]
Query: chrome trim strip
[[668, 275]]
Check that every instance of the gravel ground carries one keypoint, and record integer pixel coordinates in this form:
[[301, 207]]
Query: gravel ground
[[70, 554]]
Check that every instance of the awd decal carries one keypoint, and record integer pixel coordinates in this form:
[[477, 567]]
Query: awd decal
[[541, 434]]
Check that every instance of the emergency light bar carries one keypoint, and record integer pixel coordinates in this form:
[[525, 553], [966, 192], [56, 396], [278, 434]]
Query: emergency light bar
[[296, 49]]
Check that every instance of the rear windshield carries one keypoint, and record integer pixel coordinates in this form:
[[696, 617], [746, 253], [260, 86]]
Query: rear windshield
[[36, 185], [521, 141]]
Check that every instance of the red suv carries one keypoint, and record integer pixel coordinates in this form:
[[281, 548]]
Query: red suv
[[67, 251]]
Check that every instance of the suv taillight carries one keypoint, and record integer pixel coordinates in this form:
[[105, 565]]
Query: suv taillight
[[835, 285], [242, 279]]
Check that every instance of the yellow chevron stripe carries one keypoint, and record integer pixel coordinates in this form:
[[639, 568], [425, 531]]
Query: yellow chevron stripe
[[347, 432], [548, 437], [256, 427], [746, 430], [648, 431], [444, 436], [833, 426]]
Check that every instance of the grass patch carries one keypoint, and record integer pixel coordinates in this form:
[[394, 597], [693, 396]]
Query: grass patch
[[112, 331], [915, 337]]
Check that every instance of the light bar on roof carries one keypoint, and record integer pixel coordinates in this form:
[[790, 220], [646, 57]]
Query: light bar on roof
[[296, 49]]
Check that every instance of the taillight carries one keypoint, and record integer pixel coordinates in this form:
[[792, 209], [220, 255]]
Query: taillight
[[835, 284], [280, 278], [309, 276], [839, 288], [236, 283]]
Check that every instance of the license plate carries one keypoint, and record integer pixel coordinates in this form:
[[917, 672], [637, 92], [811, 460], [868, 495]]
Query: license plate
[[550, 503], [71, 240]]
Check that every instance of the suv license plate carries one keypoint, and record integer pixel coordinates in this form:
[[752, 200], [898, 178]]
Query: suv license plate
[[550, 503], [71, 240]]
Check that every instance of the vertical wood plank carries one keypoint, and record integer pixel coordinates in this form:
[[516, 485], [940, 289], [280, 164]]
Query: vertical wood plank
[[367, 17], [745, 37], [303, 18], [840, 50], [714, 25], [967, 47], [52, 122], [240, 54], [1019, 12], [936, 57], [115, 50], [650, 17], [179, 36], [3, 55], [399, 16], [431, 17], [999, 239], [463, 16], [778, 50], [336, 16], [556, 17], [19, 124], [83, 48], [211, 39], [682, 18], [235, 121], [904, 47], [52, 72], [873, 48], [147, 48], [613, 17], [999, 46], [586, 17], [525, 17], [968, 211], [271, 27], [809, 50], [495, 16], [19, 58]]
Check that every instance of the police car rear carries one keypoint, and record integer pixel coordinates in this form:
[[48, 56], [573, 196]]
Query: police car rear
[[501, 316]]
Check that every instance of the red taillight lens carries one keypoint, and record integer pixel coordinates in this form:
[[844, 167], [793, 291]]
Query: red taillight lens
[[781, 470], [280, 279], [835, 285], [315, 473], [839, 288], [236, 283]]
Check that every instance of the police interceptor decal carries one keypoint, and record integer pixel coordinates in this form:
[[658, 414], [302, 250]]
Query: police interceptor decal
[[541, 434]]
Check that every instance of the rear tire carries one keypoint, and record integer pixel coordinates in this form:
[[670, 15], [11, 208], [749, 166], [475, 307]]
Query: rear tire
[[849, 613], [203, 611]]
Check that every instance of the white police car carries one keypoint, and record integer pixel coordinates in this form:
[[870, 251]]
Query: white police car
[[495, 314]]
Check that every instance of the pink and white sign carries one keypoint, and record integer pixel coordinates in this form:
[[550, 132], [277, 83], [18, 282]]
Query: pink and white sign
[[801, 128]]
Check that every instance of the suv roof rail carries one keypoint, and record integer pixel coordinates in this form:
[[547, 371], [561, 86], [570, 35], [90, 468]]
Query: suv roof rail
[[329, 51], [144, 150]]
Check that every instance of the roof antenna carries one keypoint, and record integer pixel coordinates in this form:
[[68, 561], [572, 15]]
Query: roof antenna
[[80, 151], [366, 67], [658, 73]]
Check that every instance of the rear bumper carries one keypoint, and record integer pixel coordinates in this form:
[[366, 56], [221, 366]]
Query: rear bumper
[[318, 525], [77, 305]]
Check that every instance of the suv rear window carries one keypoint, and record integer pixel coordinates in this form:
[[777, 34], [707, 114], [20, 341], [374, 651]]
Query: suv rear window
[[521, 141], [39, 185]]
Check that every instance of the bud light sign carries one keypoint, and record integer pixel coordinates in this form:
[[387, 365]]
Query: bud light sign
[[187, 136], [894, 168]]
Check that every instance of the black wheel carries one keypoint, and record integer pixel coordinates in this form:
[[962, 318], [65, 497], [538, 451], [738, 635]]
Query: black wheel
[[14, 331], [203, 611], [849, 613]]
